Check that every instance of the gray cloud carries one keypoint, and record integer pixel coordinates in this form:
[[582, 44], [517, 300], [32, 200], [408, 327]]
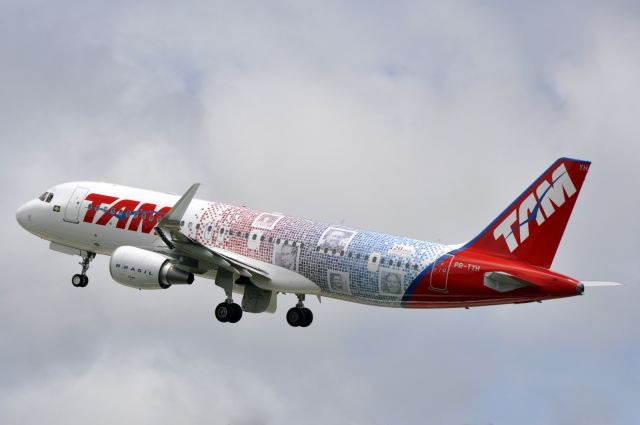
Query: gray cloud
[[417, 119]]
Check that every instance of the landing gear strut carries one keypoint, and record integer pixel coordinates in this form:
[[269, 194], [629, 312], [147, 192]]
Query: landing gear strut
[[300, 315], [227, 311], [81, 280]]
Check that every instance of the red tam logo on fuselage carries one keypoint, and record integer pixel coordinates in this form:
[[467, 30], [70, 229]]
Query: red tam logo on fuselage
[[123, 210], [545, 196]]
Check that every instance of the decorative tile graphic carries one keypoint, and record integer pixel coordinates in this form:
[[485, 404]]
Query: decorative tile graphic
[[338, 281], [337, 259]]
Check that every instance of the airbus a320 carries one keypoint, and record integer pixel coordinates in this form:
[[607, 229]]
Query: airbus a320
[[158, 240]]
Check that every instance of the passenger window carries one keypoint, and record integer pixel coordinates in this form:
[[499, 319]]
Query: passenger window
[[262, 238], [222, 231], [350, 254], [182, 223], [374, 259], [286, 242], [342, 253], [209, 229], [399, 263], [366, 258], [301, 245], [239, 234], [326, 250], [278, 241], [198, 226], [254, 237], [415, 267]]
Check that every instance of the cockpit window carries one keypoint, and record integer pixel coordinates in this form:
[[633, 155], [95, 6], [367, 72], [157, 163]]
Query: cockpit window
[[49, 198], [43, 196]]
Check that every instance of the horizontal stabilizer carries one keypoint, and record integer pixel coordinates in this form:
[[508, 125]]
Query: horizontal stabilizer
[[594, 283], [504, 282]]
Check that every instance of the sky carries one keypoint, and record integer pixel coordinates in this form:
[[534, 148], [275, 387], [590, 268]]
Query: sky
[[421, 119]]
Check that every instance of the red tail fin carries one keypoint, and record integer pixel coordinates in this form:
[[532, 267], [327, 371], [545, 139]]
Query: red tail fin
[[531, 227]]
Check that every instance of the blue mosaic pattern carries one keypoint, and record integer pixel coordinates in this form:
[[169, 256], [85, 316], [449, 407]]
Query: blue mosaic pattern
[[374, 268]]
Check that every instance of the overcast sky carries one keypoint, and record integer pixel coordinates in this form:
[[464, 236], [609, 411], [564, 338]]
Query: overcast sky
[[418, 119]]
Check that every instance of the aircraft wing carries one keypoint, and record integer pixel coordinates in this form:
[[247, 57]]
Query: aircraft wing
[[180, 244], [262, 274]]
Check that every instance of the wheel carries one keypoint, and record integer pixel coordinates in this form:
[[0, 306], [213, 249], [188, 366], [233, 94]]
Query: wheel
[[78, 280], [85, 280], [307, 317], [294, 316], [223, 312], [236, 313]]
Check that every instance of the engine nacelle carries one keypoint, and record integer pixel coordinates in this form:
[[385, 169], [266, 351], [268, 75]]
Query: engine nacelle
[[142, 269]]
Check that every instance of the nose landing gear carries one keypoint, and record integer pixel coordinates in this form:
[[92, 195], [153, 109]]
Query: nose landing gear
[[81, 280], [300, 315]]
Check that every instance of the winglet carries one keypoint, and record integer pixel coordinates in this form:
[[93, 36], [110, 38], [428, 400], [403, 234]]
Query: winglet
[[172, 219]]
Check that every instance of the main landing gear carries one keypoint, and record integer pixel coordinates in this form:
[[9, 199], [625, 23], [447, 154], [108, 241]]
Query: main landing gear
[[227, 311], [81, 280], [300, 315]]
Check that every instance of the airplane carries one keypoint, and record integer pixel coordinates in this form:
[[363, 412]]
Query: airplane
[[158, 240]]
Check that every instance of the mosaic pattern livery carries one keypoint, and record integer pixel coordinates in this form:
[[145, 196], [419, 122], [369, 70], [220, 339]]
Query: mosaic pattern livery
[[346, 263]]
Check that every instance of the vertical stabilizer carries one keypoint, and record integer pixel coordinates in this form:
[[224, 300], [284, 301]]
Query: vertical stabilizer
[[530, 229]]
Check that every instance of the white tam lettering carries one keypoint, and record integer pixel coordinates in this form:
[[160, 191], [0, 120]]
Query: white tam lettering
[[554, 194], [525, 215], [504, 229]]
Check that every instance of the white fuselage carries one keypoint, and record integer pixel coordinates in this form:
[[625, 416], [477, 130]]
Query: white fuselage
[[343, 262]]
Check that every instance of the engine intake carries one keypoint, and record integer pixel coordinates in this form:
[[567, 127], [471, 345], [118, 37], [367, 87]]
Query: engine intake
[[142, 269]]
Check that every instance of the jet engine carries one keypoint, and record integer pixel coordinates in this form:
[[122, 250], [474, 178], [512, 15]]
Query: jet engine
[[142, 269]]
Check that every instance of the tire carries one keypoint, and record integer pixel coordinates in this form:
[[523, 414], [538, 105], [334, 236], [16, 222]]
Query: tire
[[236, 313], [223, 312], [77, 280], [294, 316], [85, 280], [307, 317]]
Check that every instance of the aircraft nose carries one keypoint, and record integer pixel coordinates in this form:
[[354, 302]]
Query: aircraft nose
[[23, 215], [580, 289]]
